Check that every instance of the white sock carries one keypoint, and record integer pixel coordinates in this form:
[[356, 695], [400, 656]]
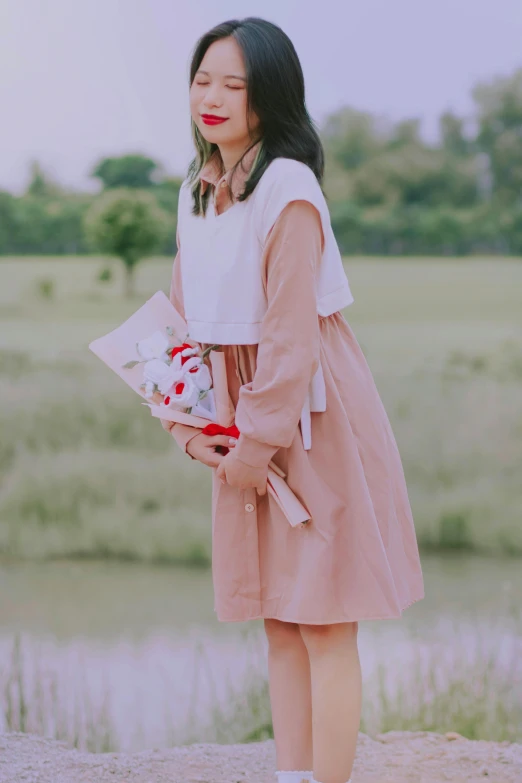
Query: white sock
[[313, 780], [294, 777]]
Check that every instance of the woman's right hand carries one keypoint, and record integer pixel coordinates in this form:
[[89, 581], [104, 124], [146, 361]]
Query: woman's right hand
[[202, 446]]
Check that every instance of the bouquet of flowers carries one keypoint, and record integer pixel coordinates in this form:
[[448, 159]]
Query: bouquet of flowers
[[175, 375], [151, 352]]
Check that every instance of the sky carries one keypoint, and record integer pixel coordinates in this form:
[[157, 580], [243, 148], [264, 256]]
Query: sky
[[85, 79]]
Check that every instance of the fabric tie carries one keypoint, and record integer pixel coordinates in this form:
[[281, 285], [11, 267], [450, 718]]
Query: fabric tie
[[218, 429], [315, 401]]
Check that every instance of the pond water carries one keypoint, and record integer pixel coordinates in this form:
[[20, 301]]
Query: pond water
[[147, 640]]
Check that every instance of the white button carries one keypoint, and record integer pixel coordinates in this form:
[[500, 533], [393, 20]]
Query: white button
[[249, 507]]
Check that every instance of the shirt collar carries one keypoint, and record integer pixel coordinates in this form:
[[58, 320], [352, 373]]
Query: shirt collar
[[212, 171]]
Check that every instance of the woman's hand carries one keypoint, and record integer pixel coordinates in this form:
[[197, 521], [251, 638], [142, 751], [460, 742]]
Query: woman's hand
[[238, 474], [202, 446]]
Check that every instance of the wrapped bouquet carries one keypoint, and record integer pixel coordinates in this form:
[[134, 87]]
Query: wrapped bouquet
[[179, 382], [175, 375]]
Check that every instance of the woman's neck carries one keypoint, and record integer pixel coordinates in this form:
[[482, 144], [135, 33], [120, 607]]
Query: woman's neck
[[231, 154]]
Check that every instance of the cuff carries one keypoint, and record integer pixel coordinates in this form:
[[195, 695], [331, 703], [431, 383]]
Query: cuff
[[253, 452], [182, 433]]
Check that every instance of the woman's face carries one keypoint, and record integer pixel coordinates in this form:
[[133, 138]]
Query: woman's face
[[219, 89]]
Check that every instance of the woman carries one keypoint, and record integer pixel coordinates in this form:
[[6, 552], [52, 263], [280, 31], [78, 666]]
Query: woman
[[259, 272]]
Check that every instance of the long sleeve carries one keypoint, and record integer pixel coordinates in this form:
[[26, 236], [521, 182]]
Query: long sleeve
[[269, 407], [181, 433]]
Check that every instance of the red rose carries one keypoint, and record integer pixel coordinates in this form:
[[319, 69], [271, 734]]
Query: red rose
[[177, 349]]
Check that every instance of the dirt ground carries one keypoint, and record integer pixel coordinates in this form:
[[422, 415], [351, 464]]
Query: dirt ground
[[394, 757]]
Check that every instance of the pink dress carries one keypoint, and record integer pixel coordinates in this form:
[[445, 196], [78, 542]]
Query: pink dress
[[357, 559]]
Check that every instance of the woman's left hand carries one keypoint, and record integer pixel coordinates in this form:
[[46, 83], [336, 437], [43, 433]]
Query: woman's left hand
[[238, 474]]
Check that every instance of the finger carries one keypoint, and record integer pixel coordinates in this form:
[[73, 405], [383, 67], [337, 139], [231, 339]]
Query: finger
[[261, 489], [221, 473], [225, 477], [214, 459], [222, 440]]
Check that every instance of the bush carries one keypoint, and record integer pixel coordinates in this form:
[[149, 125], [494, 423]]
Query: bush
[[45, 288], [105, 275]]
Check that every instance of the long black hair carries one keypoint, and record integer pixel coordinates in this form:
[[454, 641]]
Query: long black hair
[[275, 92]]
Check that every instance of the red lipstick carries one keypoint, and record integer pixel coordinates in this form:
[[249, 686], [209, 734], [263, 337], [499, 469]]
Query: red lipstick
[[212, 119]]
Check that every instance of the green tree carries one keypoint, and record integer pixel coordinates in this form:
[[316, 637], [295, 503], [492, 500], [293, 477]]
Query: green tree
[[405, 134], [167, 193], [416, 174], [127, 171], [8, 222], [352, 137], [452, 135], [41, 185], [129, 224], [499, 108]]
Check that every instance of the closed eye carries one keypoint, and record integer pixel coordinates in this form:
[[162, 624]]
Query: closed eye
[[230, 86]]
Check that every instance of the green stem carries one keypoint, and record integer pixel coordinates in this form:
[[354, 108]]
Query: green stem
[[210, 348]]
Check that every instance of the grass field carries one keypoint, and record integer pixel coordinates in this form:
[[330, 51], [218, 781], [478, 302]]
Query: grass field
[[86, 471], [461, 686]]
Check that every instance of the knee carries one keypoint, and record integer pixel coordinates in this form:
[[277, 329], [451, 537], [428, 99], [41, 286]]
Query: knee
[[321, 639], [281, 635]]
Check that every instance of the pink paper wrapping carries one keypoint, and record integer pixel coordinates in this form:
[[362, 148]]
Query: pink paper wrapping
[[118, 347]]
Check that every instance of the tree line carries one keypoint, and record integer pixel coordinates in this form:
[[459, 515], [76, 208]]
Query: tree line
[[393, 193], [389, 191]]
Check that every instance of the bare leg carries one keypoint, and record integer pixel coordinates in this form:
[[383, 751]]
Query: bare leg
[[336, 698], [290, 695]]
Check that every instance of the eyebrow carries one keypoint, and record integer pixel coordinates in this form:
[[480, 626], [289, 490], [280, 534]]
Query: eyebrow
[[227, 76]]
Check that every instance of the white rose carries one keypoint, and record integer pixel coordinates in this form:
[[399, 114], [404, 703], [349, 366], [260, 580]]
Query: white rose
[[202, 377], [153, 347], [187, 397], [194, 361], [188, 365], [190, 351], [163, 375]]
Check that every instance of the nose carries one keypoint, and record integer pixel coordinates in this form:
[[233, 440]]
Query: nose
[[213, 96]]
